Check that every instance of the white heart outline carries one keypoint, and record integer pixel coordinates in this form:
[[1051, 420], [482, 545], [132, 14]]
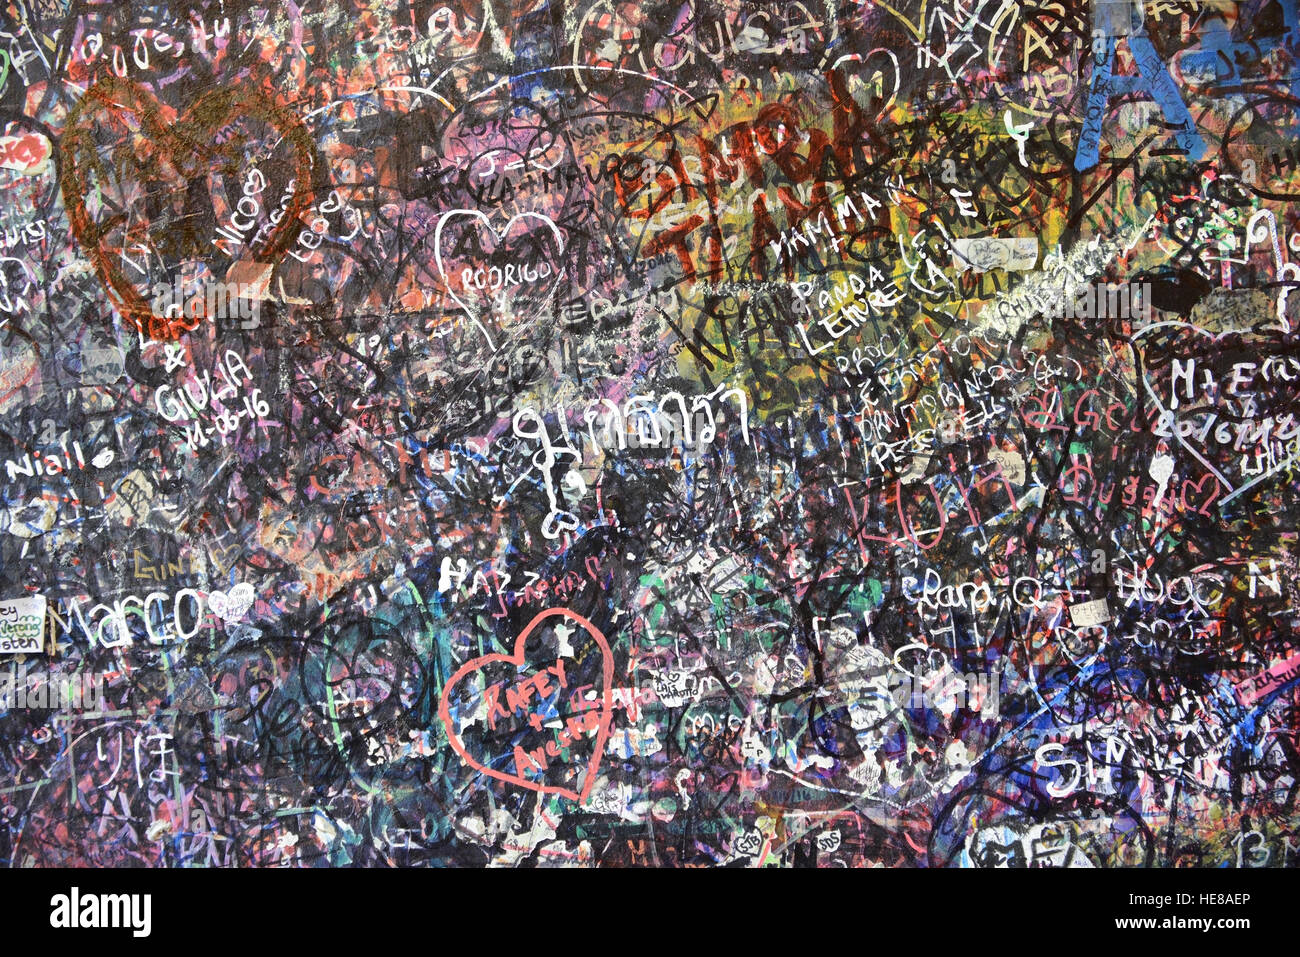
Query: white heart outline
[[224, 603], [500, 238]]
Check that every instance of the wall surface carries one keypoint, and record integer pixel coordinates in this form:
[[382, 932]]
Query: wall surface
[[553, 433]]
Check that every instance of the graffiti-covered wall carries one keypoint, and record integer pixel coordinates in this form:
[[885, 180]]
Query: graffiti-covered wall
[[586, 432]]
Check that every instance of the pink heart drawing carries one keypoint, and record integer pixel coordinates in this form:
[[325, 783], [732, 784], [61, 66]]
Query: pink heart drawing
[[1189, 503], [532, 711]]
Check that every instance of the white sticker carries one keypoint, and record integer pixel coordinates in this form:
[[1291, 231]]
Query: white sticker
[[675, 688], [22, 625], [1017, 255], [1089, 613]]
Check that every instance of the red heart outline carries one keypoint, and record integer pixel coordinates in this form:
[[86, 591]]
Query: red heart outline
[[1199, 486], [518, 659], [226, 105]]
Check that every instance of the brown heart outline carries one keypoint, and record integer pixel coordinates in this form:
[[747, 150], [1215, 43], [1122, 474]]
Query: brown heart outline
[[186, 154]]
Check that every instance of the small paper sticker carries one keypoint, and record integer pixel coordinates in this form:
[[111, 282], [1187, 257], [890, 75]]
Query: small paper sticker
[[22, 625], [1089, 613], [1016, 255], [28, 153], [1112, 18]]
